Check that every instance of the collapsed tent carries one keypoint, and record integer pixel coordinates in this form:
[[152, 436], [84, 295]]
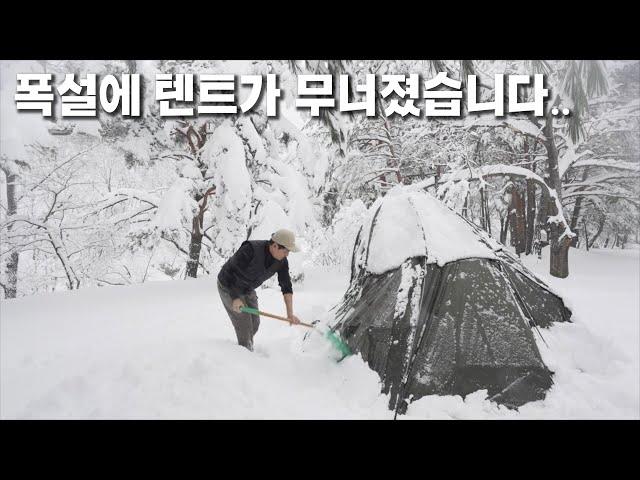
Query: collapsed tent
[[436, 306]]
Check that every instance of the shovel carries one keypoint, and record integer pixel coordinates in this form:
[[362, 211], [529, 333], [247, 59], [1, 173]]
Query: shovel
[[335, 340]]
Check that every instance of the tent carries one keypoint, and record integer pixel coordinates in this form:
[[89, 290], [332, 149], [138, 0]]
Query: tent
[[436, 306]]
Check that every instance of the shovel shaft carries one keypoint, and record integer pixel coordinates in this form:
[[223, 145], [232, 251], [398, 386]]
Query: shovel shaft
[[277, 317], [337, 343]]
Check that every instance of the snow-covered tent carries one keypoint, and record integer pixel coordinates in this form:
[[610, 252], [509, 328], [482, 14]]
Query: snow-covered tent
[[436, 306]]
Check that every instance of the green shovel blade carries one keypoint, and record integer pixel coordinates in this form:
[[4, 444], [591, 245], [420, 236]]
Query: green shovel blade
[[338, 344]]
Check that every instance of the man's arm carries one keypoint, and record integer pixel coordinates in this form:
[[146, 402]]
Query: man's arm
[[284, 279], [288, 301]]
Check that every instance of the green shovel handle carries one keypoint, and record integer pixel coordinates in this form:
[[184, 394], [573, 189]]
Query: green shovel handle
[[252, 311], [255, 311]]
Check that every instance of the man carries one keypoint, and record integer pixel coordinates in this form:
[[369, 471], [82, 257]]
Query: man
[[255, 262]]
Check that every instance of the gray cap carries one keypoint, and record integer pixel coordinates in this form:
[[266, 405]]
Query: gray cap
[[286, 238]]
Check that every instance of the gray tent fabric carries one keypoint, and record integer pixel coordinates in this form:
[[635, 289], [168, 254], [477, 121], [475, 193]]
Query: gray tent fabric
[[452, 329]]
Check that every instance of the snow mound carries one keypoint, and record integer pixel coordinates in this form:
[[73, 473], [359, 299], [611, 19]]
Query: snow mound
[[408, 224]]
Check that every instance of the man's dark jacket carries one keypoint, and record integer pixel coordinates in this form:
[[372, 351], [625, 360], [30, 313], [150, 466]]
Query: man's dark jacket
[[250, 266]]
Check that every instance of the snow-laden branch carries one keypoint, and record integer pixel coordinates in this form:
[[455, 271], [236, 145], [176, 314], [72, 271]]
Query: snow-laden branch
[[122, 195], [481, 173], [599, 181], [58, 167], [603, 163], [182, 250], [174, 155], [524, 127], [52, 234], [569, 158], [129, 216], [138, 195], [22, 246], [602, 193]]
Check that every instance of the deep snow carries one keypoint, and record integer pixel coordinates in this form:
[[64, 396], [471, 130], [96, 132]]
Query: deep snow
[[167, 350]]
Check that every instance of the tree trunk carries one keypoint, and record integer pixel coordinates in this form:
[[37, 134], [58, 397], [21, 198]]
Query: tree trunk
[[393, 162], [482, 217], [60, 251], [559, 245], [541, 225], [196, 139], [518, 223], [530, 201], [531, 216], [465, 207], [504, 228], [197, 232], [11, 271], [485, 220], [195, 245], [576, 209], [487, 213], [600, 228], [574, 220], [559, 259], [586, 237], [575, 216]]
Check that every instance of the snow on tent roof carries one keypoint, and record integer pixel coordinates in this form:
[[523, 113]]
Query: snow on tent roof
[[410, 224]]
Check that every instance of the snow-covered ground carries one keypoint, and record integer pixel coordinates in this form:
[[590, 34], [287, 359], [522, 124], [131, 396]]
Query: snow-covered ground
[[167, 350]]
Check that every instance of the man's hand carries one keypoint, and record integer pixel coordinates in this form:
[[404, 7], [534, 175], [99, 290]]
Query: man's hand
[[237, 304], [293, 319]]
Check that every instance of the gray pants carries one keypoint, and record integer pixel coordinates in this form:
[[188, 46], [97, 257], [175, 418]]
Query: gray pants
[[245, 324]]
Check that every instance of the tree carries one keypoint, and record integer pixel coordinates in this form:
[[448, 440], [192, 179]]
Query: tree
[[18, 132]]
